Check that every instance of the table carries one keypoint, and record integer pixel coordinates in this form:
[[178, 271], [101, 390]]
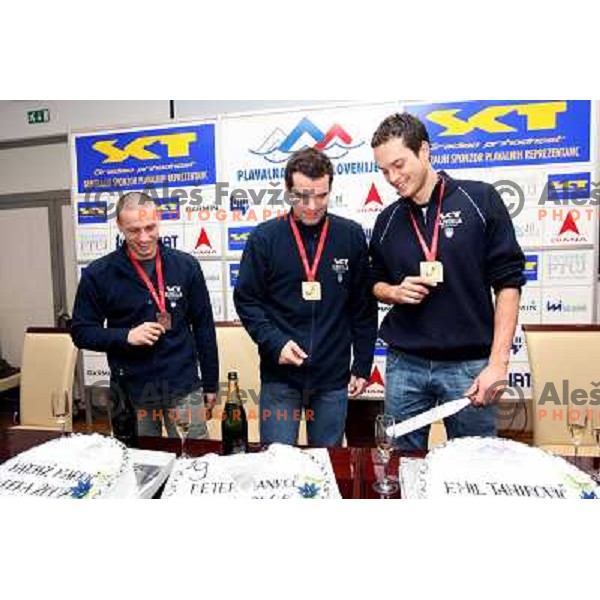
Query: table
[[14, 441]]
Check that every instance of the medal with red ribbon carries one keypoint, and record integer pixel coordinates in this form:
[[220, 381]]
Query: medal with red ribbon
[[162, 316], [311, 288], [431, 268]]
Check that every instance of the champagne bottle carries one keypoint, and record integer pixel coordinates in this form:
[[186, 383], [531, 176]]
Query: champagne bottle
[[234, 427], [122, 412]]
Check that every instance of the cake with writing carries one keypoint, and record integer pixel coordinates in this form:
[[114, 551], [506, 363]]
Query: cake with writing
[[477, 467], [75, 467], [281, 472]]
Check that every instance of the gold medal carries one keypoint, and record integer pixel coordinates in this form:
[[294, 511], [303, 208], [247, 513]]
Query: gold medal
[[311, 291], [432, 270]]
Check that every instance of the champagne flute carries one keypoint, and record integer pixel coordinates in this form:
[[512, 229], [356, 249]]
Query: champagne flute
[[384, 441], [577, 423], [183, 423], [109, 411], [60, 409]]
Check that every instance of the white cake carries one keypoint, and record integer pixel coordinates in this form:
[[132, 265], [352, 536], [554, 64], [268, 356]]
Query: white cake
[[77, 466], [282, 472], [476, 467]]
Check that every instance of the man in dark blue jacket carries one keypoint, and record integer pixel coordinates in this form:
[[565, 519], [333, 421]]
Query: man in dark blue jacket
[[436, 254], [159, 323], [302, 295]]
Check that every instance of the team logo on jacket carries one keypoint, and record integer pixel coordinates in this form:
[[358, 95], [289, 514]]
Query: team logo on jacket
[[340, 266], [173, 293], [450, 221]]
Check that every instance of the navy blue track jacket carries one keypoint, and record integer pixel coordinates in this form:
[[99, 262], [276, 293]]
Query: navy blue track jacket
[[111, 290], [268, 299], [479, 252]]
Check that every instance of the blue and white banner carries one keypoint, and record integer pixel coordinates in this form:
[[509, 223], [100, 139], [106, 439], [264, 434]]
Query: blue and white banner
[[488, 133], [146, 159], [569, 186], [237, 237]]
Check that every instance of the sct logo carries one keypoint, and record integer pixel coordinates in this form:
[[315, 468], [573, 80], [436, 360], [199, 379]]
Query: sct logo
[[177, 145], [569, 187], [237, 238], [336, 142], [538, 116], [168, 211], [531, 267], [91, 212]]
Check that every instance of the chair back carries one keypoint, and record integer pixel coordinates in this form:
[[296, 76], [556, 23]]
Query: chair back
[[48, 366], [562, 359]]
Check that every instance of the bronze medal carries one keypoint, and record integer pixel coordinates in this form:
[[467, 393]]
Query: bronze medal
[[164, 319]]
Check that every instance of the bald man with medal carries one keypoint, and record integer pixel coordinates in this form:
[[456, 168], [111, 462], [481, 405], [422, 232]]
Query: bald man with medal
[[146, 305]]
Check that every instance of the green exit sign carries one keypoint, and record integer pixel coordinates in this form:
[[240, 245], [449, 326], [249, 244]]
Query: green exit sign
[[38, 116]]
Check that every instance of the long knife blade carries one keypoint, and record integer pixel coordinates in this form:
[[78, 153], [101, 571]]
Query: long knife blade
[[428, 417]]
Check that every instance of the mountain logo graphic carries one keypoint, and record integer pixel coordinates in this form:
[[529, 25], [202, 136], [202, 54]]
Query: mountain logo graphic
[[336, 142], [373, 196], [203, 239], [569, 225], [569, 232], [376, 378]]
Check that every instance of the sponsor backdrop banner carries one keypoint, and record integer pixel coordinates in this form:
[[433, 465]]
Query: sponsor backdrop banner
[[215, 181], [507, 133], [132, 160]]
